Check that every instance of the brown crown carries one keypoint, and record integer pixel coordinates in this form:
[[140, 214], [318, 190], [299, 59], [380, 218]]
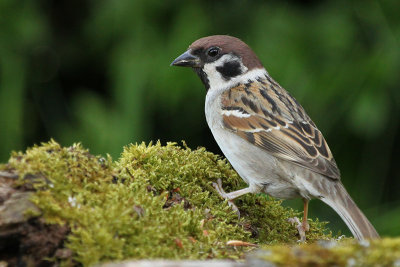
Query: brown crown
[[229, 44]]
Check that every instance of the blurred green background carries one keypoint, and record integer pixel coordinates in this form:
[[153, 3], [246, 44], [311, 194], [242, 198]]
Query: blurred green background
[[97, 72]]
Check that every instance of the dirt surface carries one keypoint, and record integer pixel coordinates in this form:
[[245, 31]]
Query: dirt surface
[[25, 239]]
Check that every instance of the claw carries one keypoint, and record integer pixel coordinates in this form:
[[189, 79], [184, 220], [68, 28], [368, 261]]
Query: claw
[[301, 227], [218, 187], [221, 192], [234, 208]]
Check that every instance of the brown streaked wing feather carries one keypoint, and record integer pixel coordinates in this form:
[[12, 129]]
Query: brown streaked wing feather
[[277, 123]]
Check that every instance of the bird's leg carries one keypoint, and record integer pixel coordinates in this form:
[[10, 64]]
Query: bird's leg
[[305, 225], [232, 195], [302, 227]]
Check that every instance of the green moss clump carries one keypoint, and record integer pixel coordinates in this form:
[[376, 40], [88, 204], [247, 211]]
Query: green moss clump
[[154, 202], [349, 252]]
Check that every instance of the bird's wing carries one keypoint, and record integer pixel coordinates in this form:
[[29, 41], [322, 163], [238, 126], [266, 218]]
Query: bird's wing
[[265, 115]]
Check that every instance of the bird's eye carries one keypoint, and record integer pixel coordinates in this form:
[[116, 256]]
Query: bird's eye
[[213, 51]]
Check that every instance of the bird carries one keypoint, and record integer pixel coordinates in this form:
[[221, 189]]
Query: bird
[[265, 133]]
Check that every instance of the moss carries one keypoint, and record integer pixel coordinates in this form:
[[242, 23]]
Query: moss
[[154, 202], [349, 252]]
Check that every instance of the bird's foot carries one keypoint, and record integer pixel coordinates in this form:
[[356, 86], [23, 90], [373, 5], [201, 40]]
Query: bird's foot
[[302, 228], [224, 195]]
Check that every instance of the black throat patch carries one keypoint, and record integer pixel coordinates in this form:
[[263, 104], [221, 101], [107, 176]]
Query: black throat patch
[[230, 69], [203, 77]]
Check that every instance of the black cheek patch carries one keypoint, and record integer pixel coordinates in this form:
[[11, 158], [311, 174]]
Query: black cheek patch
[[230, 69]]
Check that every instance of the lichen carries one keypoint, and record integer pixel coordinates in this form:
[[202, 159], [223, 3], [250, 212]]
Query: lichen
[[154, 202], [347, 252]]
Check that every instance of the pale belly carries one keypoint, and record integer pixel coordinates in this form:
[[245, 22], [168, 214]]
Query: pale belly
[[263, 172]]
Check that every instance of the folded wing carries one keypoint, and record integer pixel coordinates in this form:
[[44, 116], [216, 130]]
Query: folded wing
[[265, 115]]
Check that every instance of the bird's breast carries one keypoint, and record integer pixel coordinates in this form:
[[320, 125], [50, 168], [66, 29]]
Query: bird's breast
[[252, 164]]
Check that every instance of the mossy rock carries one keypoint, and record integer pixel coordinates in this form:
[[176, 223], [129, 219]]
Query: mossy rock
[[154, 202]]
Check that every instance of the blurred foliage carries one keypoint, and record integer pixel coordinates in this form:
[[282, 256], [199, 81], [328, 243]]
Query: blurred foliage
[[98, 72]]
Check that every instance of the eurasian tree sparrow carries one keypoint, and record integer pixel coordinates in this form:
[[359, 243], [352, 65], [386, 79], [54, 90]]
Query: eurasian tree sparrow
[[265, 133]]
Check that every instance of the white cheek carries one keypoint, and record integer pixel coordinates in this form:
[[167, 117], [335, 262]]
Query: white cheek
[[215, 78], [218, 83]]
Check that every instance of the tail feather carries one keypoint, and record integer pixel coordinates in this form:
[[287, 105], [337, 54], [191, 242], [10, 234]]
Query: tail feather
[[342, 203]]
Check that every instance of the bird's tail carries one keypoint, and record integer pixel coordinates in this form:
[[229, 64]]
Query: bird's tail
[[342, 203]]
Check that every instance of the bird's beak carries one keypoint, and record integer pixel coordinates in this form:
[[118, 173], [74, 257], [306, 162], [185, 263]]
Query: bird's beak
[[187, 60]]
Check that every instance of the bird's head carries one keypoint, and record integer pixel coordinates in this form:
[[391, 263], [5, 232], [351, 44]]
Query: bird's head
[[219, 59]]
